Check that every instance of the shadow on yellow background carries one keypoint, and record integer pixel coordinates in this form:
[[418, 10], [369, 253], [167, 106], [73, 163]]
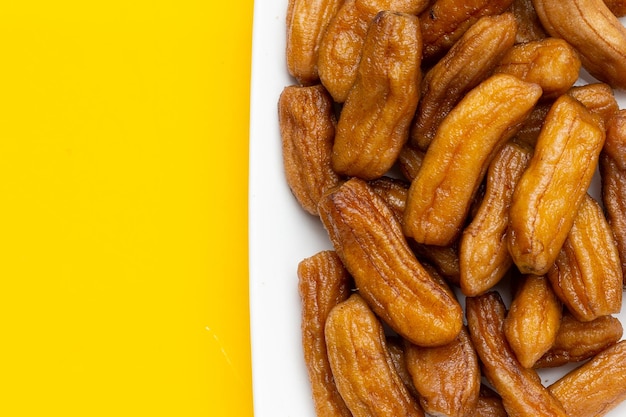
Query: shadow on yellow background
[[123, 208]]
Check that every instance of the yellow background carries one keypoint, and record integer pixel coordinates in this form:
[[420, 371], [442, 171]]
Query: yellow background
[[123, 208]]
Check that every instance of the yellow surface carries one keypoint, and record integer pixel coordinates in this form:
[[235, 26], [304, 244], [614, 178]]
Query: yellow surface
[[123, 208]]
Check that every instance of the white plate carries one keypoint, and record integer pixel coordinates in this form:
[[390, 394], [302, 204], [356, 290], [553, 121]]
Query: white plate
[[281, 234]]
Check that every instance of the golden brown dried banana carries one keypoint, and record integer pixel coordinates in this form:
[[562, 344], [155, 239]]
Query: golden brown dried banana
[[375, 120], [306, 23], [580, 340], [361, 364], [533, 321], [613, 174], [550, 62], [586, 274], [458, 157], [369, 240], [307, 129], [447, 378], [548, 194], [484, 257], [596, 387], [323, 283]]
